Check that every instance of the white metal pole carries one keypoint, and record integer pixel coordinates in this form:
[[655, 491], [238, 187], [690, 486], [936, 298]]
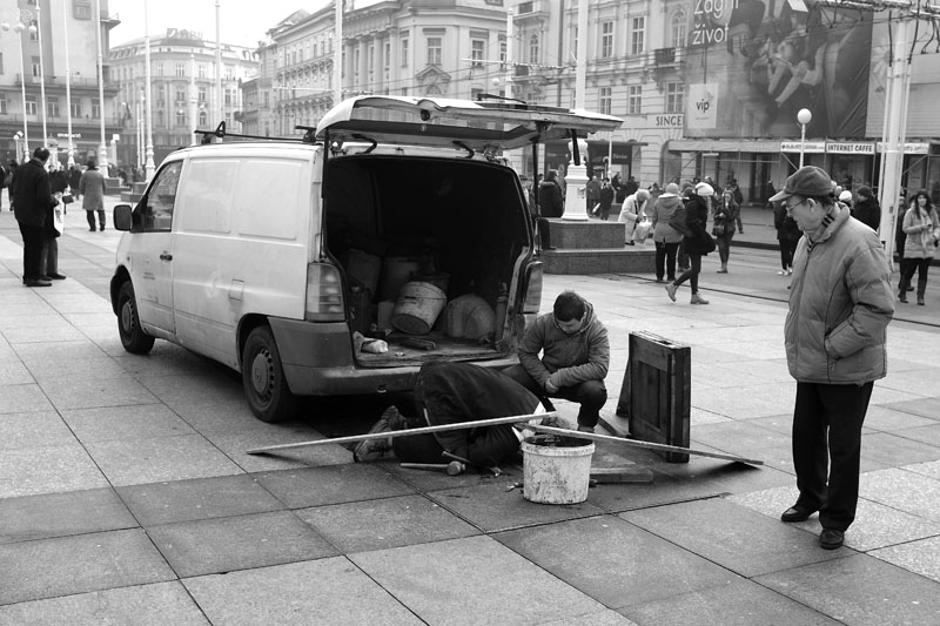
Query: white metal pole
[[42, 78], [103, 146], [802, 142], [139, 132], [21, 28], [218, 65], [149, 166], [68, 85], [580, 79], [338, 52], [192, 99], [509, 62]]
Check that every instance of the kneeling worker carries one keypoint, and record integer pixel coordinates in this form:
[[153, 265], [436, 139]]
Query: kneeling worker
[[451, 393], [575, 358]]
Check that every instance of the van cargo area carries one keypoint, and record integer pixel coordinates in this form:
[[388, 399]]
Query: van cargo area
[[428, 248]]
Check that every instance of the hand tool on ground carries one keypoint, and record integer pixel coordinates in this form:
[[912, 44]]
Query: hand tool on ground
[[451, 469], [647, 445], [619, 475], [495, 471], [392, 434]]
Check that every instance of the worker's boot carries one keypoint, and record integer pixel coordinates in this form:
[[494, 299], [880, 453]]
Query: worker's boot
[[921, 289], [375, 449]]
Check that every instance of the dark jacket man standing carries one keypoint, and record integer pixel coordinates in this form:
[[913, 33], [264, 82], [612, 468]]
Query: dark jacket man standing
[[32, 203]]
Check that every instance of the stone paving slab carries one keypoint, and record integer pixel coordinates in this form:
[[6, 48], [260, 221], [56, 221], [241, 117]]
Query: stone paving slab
[[71, 393], [125, 422], [35, 429], [472, 581], [48, 568], [860, 590], [41, 354], [922, 557], [235, 444], [42, 333], [335, 484], [739, 603], [931, 470], [733, 536], [13, 372], [613, 561], [48, 469], [196, 499], [887, 419], [907, 491], [329, 591], [891, 450], [923, 434], [925, 407], [386, 523], [225, 544], [23, 398], [61, 514], [156, 604]]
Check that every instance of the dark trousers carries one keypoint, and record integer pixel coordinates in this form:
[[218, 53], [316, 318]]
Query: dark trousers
[[724, 245], [32, 251], [591, 394], [666, 259], [787, 250], [545, 232], [49, 260], [683, 255], [495, 442], [908, 267], [90, 216], [692, 273], [827, 431]]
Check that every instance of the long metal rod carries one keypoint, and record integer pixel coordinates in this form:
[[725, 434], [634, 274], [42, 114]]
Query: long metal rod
[[647, 445], [511, 419]]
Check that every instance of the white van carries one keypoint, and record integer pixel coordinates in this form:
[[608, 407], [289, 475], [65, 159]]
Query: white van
[[282, 258]]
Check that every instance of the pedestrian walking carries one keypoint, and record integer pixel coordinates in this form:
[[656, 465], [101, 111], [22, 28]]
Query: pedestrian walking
[[835, 334], [592, 196], [788, 235], [92, 188], [696, 240], [33, 202], [665, 236], [922, 228], [606, 199], [726, 211], [866, 208]]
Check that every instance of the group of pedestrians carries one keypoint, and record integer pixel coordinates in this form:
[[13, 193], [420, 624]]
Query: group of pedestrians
[[38, 197]]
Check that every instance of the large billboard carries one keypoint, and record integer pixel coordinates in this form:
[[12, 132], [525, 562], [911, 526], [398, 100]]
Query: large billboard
[[752, 64]]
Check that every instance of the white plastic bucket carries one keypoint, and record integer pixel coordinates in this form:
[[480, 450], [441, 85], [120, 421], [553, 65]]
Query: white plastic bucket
[[556, 470], [396, 271], [417, 308]]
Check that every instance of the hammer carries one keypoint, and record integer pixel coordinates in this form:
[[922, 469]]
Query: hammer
[[495, 471], [453, 468]]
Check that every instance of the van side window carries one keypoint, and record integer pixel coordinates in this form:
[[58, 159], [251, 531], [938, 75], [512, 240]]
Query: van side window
[[155, 210]]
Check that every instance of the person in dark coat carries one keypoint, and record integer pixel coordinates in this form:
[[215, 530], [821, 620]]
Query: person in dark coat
[[33, 202], [551, 202], [697, 243], [49, 265], [620, 191], [606, 199], [630, 187], [788, 235], [866, 209], [75, 177]]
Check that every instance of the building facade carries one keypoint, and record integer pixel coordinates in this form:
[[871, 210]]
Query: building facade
[[184, 89], [68, 33]]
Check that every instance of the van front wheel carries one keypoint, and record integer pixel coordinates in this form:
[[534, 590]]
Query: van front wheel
[[133, 338], [266, 388]]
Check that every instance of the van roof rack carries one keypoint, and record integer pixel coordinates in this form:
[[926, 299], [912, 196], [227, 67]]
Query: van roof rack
[[221, 133]]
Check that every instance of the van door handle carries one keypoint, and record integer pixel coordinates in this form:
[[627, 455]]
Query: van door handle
[[166, 256]]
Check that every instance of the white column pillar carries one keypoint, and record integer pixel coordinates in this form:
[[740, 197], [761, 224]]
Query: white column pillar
[[149, 166], [103, 146], [68, 85]]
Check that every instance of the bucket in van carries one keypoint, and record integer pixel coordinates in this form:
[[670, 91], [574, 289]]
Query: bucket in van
[[418, 307]]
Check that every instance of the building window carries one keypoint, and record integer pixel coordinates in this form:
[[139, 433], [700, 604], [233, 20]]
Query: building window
[[502, 49], [201, 95], [52, 106], [203, 118], [76, 109], [435, 48], [404, 53], [180, 95], [3, 104], [675, 96], [678, 29], [356, 67], [634, 99], [607, 40], [81, 9], [228, 97], [181, 118], [229, 72], [370, 64], [202, 70], [34, 63], [180, 70], [31, 108], [1, 63], [387, 62], [638, 35], [477, 50], [604, 100], [159, 69], [534, 49]]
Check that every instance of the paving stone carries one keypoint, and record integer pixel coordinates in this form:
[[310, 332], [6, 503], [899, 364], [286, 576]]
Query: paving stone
[[472, 581], [329, 591], [426, 481], [43, 333], [931, 469], [225, 544], [924, 434], [55, 567], [921, 557], [125, 422], [35, 429], [908, 491], [61, 514], [199, 498], [747, 402], [887, 419], [731, 535], [665, 489], [23, 398], [925, 407], [860, 590], [386, 523], [39, 354], [145, 605], [335, 484], [892, 449], [103, 367], [47, 469], [602, 618], [69, 393], [490, 507], [13, 372], [740, 602], [235, 444], [140, 461], [615, 562]]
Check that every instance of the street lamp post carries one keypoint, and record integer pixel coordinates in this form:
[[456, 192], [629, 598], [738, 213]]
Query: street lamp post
[[804, 117], [42, 77], [19, 28], [103, 146], [68, 86]]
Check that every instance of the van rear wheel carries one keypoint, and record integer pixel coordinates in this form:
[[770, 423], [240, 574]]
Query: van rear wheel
[[263, 378], [133, 338]]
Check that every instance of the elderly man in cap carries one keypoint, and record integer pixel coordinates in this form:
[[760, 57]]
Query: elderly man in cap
[[840, 306]]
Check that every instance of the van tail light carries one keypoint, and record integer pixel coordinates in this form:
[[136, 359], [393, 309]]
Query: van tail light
[[533, 291], [324, 294]]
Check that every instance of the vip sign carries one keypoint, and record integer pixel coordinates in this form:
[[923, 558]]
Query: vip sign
[[702, 106]]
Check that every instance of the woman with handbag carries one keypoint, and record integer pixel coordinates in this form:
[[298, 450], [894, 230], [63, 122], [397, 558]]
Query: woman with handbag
[[633, 211], [697, 241], [923, 231], [725, 214]]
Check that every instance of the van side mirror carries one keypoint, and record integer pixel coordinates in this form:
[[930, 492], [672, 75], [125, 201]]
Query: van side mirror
[[121, 218]]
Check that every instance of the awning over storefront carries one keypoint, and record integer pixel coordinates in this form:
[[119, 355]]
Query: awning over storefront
[[723, 145]]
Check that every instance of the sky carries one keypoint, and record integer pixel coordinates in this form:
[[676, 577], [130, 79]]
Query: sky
[[242, 22]]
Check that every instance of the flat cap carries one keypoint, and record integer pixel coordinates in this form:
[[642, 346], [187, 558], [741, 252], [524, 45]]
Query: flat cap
[[806, 181]]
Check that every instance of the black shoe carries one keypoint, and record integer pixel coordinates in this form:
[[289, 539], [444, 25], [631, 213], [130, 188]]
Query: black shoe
[[101, 227], [796, 514], [910, 288], [92, 229], [660, 280], [45, 277], [57, 276], [38, 283], [830, 538]]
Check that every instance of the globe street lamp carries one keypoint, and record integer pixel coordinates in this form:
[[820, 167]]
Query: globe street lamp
[[804, 117]]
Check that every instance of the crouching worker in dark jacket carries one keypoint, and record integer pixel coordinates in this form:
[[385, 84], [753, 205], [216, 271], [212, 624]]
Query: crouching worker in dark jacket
[[575, 358], [451, 393]]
